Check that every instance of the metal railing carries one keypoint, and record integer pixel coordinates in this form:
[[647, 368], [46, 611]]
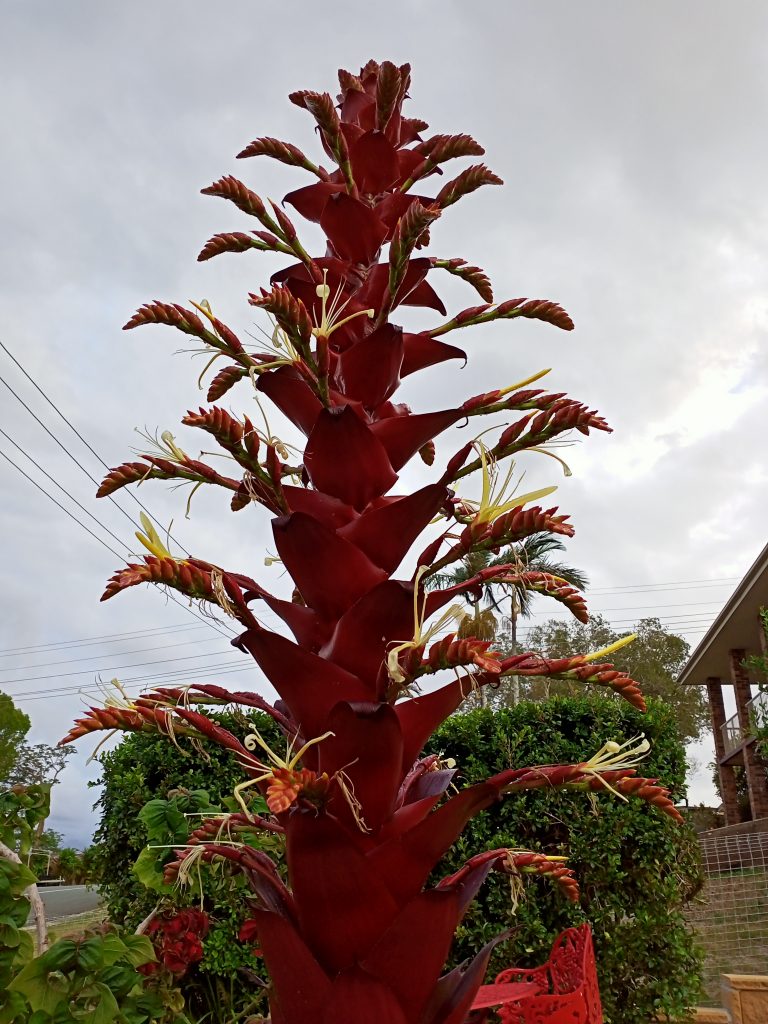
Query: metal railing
[[730, 915], [757, 708], [732, 733]]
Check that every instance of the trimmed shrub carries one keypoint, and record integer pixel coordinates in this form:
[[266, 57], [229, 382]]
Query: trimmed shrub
[[636, 869]]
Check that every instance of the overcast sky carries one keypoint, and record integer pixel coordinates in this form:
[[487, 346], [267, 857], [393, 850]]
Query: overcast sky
[[631, 138]]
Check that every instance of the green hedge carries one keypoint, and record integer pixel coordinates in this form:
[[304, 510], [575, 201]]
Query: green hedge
[[636, 868], [144, 767]]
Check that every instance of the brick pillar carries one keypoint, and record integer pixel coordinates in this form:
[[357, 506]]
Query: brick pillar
[[725, 771], [755, 771]]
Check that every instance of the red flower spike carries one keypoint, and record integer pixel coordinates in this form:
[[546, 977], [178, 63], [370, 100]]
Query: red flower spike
[[468, 181], [285, 152], [129, 473], [240, 241], [353, 933], [290, 314], [223, 381], [472, 275]]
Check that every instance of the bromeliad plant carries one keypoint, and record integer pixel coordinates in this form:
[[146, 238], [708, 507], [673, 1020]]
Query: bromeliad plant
[[354, 934]]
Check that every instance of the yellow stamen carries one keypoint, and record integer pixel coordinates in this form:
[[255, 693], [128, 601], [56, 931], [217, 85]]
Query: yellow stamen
[[492, 499], [420, 636], [613, 757], [522, 383], [150, 538], [329, 317], [604, 652]]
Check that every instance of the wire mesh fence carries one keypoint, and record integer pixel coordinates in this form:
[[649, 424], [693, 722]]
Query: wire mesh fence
[[730, 915]]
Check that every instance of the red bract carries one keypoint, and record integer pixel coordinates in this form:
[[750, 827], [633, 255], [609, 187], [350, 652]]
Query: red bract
[[354, 935], [177, 939]]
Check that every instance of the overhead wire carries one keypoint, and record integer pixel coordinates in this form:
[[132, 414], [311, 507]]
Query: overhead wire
[[118, 654], [62, 488], [87, 444], [170, 596], [62, 507], [90, 640], [93, 479]]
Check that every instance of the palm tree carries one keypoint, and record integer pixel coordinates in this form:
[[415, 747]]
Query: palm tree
[[533, 554]]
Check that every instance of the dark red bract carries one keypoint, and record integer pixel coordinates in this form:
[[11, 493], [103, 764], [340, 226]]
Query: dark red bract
[[354, 935]]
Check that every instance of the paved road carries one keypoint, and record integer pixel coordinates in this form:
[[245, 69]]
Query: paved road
[[65, 900]]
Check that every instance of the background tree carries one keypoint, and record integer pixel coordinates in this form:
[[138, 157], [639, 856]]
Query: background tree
[[14, 726], [654, 659], [532, 554], [37, 764]]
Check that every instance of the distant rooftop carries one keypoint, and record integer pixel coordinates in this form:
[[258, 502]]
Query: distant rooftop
[[735, 628]]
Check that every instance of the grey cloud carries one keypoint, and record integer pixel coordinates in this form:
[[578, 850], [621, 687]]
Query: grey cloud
[[630, 141]]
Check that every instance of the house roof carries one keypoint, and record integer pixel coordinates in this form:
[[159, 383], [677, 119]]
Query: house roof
[[735, 628]]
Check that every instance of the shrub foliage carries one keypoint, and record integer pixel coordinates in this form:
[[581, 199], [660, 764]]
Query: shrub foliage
[[633, 893]]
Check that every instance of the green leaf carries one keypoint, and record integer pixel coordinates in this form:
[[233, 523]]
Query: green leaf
[[164, 820], [105, 1010], [139, 950], [113, 949], [148, 869], [21, 878], [18, 911], [26, 947], [34, 982], [60, 957], [15, 1008], [90, 955], [9, 932]]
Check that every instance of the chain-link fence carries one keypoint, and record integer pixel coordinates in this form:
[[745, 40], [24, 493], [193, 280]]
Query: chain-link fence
[[730, 915]]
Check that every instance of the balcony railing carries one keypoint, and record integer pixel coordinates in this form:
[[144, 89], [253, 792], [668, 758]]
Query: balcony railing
[[732, 732], [758, 709]]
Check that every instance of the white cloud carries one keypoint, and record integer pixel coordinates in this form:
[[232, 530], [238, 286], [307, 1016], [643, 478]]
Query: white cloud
[[629, 141]]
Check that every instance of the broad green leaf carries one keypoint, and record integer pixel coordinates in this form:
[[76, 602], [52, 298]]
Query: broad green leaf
[[148, 870], [164, 820], [90, 955], [139, 950], [21, 878], [105, 1010], [34, 982], [60, 957], [15, 1008], [18, 911], [113, 949]]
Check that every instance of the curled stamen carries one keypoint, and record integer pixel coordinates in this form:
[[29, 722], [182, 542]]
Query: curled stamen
[[329, 316], [222, 598], [421, 636], [612, 757]]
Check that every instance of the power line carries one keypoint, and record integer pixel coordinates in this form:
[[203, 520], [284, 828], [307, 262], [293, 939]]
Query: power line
[[163, 678], [89, 640], [63, 509], [62, 488], [63, 447], [642, 607], [97, 671], [672, 583], [119, 654], [90, 448], [103, 543]]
